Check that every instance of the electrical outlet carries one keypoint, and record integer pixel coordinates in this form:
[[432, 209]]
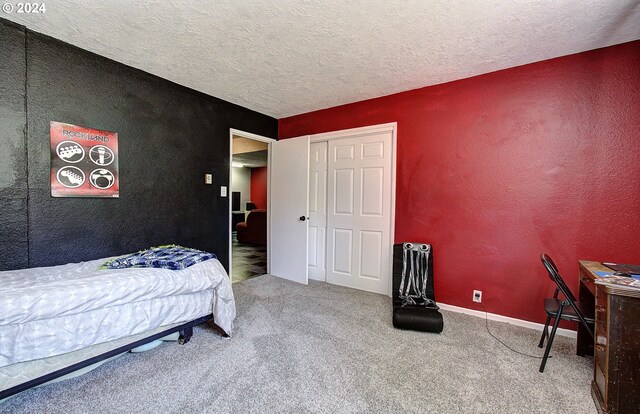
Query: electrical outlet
[[208, 179], [477, 296]]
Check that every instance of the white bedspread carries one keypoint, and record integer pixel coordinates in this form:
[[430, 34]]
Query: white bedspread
[[53, 310]]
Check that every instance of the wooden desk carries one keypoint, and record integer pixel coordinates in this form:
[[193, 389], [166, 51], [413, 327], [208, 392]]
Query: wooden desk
[[587, 297], [616, 362]]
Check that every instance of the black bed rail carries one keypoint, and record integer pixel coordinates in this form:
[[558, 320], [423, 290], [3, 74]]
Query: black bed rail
[[185, 329]]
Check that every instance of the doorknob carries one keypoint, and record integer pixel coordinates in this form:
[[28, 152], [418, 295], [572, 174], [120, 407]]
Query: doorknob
[[303, 218]]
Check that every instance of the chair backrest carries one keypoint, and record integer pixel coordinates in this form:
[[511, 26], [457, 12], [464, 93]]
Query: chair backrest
[[552, 269]]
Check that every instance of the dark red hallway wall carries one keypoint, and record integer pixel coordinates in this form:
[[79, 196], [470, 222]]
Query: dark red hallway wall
[[259, 187], [496, 169]]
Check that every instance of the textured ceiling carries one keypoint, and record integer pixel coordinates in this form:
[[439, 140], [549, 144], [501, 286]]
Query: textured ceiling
[[252, 159], [285, 57], [240, 145]]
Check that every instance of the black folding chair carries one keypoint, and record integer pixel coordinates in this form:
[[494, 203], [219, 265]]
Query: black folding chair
[[568, 309]]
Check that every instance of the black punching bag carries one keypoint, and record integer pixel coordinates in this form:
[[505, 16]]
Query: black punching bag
[[414, 305]]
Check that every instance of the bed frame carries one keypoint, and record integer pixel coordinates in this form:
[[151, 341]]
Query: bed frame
[[185, 330]]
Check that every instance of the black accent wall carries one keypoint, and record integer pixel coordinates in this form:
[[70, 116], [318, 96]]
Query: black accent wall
[[168, 137], [13, 156]]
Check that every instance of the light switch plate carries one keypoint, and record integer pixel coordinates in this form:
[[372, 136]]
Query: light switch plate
[[208, 179], [223, 191]]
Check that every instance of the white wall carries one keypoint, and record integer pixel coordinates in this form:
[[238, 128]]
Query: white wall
[[241, 181]]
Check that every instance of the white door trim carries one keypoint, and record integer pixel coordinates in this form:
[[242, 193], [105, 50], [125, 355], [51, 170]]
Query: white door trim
[[249, 135], [354, 132], [367, 130]]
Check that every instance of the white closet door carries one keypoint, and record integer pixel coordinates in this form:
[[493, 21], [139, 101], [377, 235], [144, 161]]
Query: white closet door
[[359, 212], [288, 209], [317, 210]]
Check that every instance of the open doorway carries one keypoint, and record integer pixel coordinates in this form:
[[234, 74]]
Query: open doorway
[[248, 205]]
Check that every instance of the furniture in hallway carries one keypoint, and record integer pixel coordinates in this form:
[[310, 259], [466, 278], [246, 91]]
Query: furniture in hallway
[[254, 230], [617, 342], [237, 217]]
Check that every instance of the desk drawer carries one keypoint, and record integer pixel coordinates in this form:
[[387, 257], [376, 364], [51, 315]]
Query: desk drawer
[[602, 299], [601, 357], [601, 314], [601, 382], [601, 323], [601, 338], [588, 284]]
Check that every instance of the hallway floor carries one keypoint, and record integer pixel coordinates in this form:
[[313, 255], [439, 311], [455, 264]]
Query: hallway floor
[[249, 260]]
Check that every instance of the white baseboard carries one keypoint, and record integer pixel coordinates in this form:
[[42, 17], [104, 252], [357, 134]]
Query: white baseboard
[[499, 318]]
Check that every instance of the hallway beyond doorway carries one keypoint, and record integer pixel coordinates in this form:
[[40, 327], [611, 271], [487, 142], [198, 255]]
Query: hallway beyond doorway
[[249, 260]]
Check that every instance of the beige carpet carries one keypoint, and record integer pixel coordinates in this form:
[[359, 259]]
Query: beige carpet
[[327, 349]]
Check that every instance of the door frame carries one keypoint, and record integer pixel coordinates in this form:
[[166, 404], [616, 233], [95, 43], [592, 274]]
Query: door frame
[[369, 130], [269, 141]]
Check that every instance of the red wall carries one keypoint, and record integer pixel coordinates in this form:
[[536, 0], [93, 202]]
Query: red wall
[[259, 187], [494, 170]]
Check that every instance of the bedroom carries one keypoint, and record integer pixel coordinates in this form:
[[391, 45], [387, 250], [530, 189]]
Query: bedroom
[[494, 167]]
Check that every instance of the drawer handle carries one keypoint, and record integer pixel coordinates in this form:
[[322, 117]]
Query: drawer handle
[[601, 348], [587, 280], [600, 309]]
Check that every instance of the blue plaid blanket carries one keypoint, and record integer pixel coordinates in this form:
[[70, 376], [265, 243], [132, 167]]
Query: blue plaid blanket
[[165, 257]]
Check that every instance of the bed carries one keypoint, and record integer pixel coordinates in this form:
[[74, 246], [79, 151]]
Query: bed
[[53, 319]]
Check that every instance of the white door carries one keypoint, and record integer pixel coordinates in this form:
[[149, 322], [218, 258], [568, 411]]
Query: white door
[[288, 209], [317, 210], [359, 212]]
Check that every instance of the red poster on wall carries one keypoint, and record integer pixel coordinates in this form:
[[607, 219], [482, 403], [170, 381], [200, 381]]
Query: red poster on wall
[[84, 162]]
